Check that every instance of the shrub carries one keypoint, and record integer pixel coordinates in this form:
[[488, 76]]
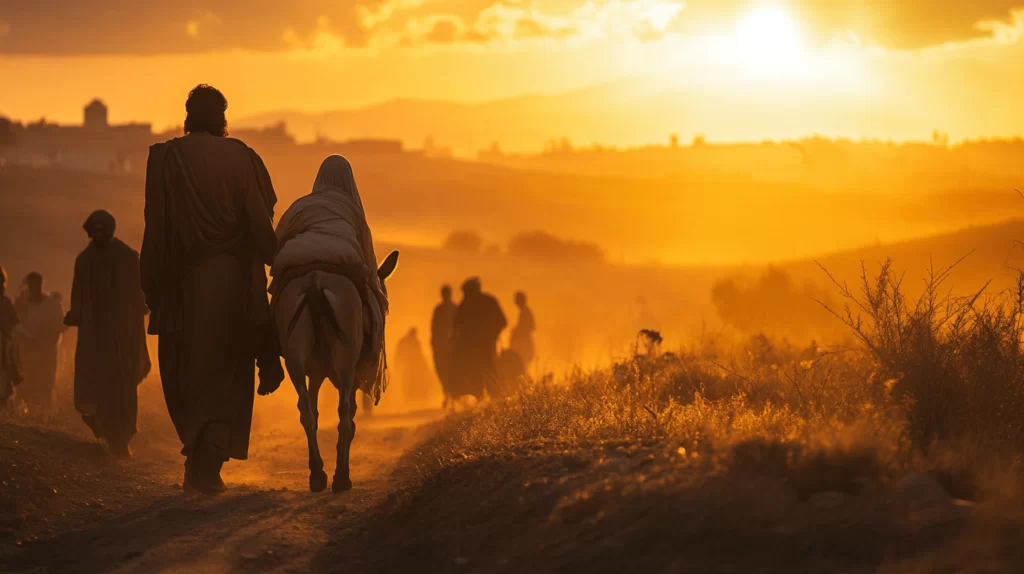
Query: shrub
[[541, 245], [956, 361], [464, 241]]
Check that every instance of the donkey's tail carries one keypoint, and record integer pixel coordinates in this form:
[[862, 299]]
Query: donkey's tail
[[325, 322]]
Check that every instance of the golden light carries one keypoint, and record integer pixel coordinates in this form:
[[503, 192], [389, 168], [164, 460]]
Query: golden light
[[770, 43], [661, 14]]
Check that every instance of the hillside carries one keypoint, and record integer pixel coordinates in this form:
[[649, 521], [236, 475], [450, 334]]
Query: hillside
[[415, 202], [629, 112]]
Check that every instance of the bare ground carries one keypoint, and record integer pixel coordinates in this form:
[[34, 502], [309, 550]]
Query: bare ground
[[611, 507], [67, 507]]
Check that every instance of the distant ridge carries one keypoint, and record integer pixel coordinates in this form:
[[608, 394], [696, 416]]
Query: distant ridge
[[628, 112]]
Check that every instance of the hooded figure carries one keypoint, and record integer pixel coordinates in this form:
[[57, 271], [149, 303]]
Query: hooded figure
[[209, 232], [479, 322], [327, 231], [111, 358]]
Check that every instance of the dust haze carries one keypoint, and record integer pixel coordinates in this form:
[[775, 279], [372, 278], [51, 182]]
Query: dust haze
[[773, 307]]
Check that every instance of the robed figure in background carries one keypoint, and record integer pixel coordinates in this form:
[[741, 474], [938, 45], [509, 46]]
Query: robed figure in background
[[411, 369], [209, 232], [478, 324], [441, 325], [10, 373], [111, 358], [37, 337], [522, 334]]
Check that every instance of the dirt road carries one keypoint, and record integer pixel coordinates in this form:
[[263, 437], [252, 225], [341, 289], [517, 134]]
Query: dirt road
[[104, 516]]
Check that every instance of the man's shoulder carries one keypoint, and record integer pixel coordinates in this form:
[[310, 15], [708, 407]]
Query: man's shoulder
[[238, 142], [160, 146], [84, 255], [123, 249]]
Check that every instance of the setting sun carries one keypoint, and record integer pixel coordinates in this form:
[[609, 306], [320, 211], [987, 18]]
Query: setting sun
[[769, 42], [685, 285]]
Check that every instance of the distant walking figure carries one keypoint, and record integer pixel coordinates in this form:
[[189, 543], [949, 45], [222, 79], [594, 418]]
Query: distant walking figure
[[10, 374], [522, 333], [37, 336], [411, 369], [209, 204], [478, 324], [441, 326], [330, 305], [111, 358]]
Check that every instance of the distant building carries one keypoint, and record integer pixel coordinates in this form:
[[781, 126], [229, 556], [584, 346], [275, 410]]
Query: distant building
[[275, 136], [100, 147], [95, 116], [372, 146], [94, 146]]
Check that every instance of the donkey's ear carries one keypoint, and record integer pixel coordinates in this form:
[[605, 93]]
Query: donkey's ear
[[388, 267]]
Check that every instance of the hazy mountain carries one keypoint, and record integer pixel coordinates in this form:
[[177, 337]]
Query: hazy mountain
[[628, 112]]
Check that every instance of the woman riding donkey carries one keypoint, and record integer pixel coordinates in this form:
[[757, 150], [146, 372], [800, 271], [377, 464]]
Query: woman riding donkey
[[329, 305]]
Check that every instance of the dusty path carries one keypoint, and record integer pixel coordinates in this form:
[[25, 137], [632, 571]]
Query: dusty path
[[266, 522]]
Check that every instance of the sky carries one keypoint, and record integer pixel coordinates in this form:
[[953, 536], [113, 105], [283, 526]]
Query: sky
[[953, 65]]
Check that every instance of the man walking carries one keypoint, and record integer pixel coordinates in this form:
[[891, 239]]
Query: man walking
[[479, 322], [209, 232], [111, 358], [441, 325]]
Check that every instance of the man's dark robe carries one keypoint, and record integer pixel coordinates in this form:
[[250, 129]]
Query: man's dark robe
[[479, 322], [441, 325], [209, 231], [111, 358]]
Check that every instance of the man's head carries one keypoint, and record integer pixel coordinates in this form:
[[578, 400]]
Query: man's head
[[34, 282], [3, 281], [205, 109], [471, 286], [100, 227], [520, 299], [446, 293]]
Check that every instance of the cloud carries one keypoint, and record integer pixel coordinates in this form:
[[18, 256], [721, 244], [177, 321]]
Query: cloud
[[903, 24], [62, 27], [445, 30], [499, 21]]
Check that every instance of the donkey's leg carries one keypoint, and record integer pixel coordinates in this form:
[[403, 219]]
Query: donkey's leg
[[317, 476], [346, 429], [314, 402]]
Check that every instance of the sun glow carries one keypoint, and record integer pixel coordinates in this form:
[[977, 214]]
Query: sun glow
[[769, 43]]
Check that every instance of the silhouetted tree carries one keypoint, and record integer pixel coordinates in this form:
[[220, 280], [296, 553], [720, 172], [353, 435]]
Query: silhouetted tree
[[465, 241], [542, 245]]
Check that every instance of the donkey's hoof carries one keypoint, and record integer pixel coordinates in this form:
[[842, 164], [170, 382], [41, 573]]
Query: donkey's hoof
[[317, 481], [341, 484]]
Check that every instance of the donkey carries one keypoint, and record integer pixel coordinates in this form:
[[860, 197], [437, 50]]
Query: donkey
[[320, 318]]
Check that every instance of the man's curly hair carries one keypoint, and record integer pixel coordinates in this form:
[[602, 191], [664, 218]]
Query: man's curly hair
[[205, 109]]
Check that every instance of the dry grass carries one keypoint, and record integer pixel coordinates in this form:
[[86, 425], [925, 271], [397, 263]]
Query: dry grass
[[744, 456], [934, 385]]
